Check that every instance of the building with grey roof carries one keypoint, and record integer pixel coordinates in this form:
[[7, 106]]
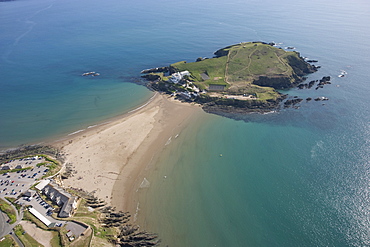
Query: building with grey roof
[[62, 198]]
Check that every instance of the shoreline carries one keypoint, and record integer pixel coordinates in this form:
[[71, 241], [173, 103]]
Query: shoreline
[[110, 158]]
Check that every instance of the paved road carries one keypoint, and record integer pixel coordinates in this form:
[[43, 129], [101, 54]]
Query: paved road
[[16, 239], [5, 228]]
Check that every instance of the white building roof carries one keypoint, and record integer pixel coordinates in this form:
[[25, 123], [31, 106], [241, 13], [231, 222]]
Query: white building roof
[[176, 77], [39, 216], [42, 184]]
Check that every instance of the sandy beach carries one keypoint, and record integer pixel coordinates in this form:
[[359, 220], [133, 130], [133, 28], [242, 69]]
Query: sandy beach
[[109, 159]]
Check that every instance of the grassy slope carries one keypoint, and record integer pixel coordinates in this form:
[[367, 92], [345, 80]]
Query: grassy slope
[[8, 242], [244, 63], [8, 210], [55, 242], [26, 239], [101, 234]]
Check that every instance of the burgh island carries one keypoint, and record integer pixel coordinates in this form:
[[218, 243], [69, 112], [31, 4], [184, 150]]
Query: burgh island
[[240, 78]]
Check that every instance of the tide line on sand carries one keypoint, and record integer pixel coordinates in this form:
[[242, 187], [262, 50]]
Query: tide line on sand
[[78, 131], [150, 100]]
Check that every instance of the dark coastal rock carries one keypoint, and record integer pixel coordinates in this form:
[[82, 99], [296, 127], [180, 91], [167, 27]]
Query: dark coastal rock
[[151, 77], [307, 85], [199, 59], [325, 80], [155, 70], [222, 52], [311, 83], [292, 102], [31, 151], [309, 99], [301, 67], [220, 106], [321, 99], [277, 82], [312, 61]]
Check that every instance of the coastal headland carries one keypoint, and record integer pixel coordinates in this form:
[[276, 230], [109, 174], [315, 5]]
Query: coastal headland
[[240, 78]]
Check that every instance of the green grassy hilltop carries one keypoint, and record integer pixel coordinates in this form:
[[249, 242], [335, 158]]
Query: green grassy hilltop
[[245, 71]]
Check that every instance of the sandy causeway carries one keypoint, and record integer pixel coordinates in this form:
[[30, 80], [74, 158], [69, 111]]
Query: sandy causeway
[[109, 159]]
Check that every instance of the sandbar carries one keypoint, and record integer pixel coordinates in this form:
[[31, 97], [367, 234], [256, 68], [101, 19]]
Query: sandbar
[[110, 158]]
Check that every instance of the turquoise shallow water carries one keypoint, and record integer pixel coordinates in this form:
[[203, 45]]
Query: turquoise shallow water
[[293, 178]]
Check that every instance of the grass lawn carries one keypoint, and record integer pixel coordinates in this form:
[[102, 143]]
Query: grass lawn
[[26, 239], [8, 210], [239, 66], [8, 241]]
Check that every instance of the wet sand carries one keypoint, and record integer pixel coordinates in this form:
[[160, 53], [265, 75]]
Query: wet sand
[[110, 159]]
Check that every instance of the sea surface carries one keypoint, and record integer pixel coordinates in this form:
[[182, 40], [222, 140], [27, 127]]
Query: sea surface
[[297, 177]]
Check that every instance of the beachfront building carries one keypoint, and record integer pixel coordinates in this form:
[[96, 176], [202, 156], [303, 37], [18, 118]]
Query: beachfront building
[[60, 197], [178, 76]]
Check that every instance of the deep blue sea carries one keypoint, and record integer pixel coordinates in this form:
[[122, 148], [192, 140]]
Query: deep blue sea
[[298, 177]]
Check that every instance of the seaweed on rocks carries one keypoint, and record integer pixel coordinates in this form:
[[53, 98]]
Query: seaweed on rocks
[[128, 235]]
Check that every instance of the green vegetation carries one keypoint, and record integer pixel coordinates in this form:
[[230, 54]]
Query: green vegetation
[[83, 214], [29, 151], [241, 66], [8, 210], [214, 68], [52, 165], [12, 200], [28, 216], [252, 71], [25, 238], [56, 240], [15, 170], [8, 242]]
